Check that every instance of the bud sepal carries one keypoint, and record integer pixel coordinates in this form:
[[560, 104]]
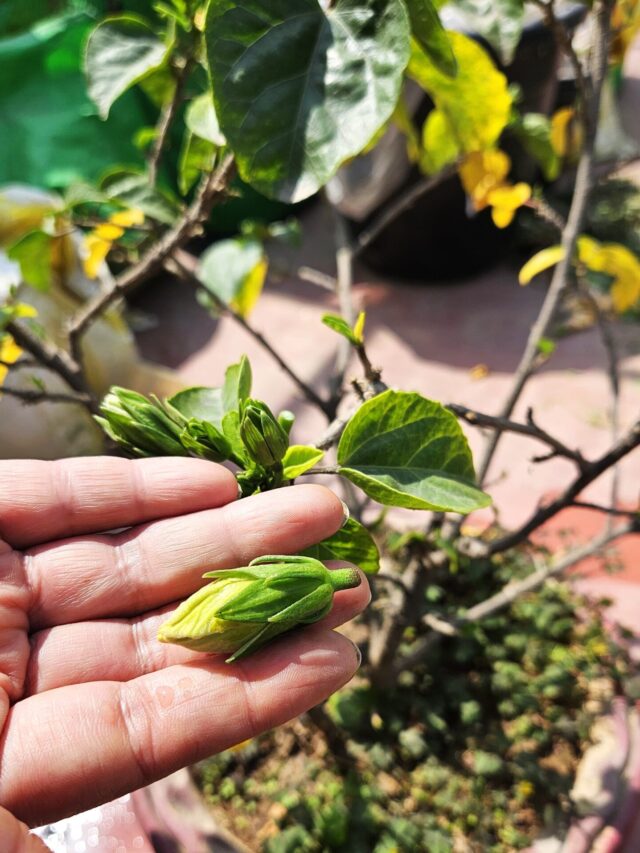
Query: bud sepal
[[244, 608]]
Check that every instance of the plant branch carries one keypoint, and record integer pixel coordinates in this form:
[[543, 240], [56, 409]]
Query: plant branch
[[571, 231], [404, 202], [609, 510], [181, 264], [166, 119], [51, 357], [590, 473], [530, 429], [213, 189], [31, 396], [510, 593]]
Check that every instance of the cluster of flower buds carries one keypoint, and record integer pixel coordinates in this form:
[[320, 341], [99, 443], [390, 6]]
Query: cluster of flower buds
[[244, 608], [140, 425], [264, 437]]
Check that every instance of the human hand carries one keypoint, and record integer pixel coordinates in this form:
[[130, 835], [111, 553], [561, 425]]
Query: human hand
[[91, 705]]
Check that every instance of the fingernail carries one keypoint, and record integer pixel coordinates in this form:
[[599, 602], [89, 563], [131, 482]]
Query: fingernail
[[358, 655], [346, 515], [239, 489]]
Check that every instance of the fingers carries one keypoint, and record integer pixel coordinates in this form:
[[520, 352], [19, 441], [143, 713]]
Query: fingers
[[41, 501], [122, 649], [97, 741], [88, 578]]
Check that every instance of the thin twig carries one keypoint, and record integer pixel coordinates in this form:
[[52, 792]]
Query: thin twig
[[405, 201], [47, 355], [530, 429], [213, 189], [344, 285], [29, 396], [590, 473], [609, 510], [510, 593], [166, 119], [561, 274], [181, 264]]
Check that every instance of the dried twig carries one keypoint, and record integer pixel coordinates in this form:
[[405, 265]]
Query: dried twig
[[583, 185], [166, 119], [530, 429], [506, 596], [181, 264], [31, 396]]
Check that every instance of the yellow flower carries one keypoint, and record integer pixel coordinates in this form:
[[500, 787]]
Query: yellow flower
[[10, 352], [625, 23], [483, 175], [99, 241], [525, 789], [613, 259]]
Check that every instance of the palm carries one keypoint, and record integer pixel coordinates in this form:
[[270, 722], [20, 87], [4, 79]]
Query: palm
[[91, 706]]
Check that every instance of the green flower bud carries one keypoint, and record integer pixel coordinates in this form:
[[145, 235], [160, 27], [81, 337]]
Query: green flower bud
[[140, 425], [203, 439], [244, 608], [286, 419], [262, 435]]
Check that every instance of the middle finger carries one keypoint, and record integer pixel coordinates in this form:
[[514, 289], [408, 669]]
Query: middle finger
[[89, 577]]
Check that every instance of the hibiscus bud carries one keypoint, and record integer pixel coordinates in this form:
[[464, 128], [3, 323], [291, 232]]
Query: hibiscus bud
[[262, 435], [244, 608], [140, 425]]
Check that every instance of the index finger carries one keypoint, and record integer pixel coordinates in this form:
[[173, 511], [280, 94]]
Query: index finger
[[41, 501]]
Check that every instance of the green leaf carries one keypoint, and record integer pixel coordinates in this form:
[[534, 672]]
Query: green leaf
[[534, 132], [34, 253], [428, 31], [197, 155], [132, 189], [340, 325], [234, 270], [201, 119], [120, 52], [298, 459], [499, 22], [237, 384], [439, 147], [475, 104], [204, 404], [404, 450], [352, 543], [298, 90]]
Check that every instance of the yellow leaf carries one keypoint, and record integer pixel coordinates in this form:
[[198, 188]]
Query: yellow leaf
[[108, 232], [560, 130], [21, 310], [249, 293], [625, 292], [540, 262], [10, 352], [358, 328], [617, 261], [97, 250], [438, 143], [479, 371], [127, 218], [476, 102]]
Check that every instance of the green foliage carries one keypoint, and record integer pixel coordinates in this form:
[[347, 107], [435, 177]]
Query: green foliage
[[34, 253], [291, 123], [352, 543], [234, 271], [534, 132], [121, 51], [478, 742], [404, 450], [298, 459]]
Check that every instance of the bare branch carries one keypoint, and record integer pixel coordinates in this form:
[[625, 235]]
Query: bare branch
[[530, 429], [213, 189], [561, 274], [609, 510], [590, 473], [181, 264], [510, 593], [405, 201], [52, 358], [32, 396], [166, 119]]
